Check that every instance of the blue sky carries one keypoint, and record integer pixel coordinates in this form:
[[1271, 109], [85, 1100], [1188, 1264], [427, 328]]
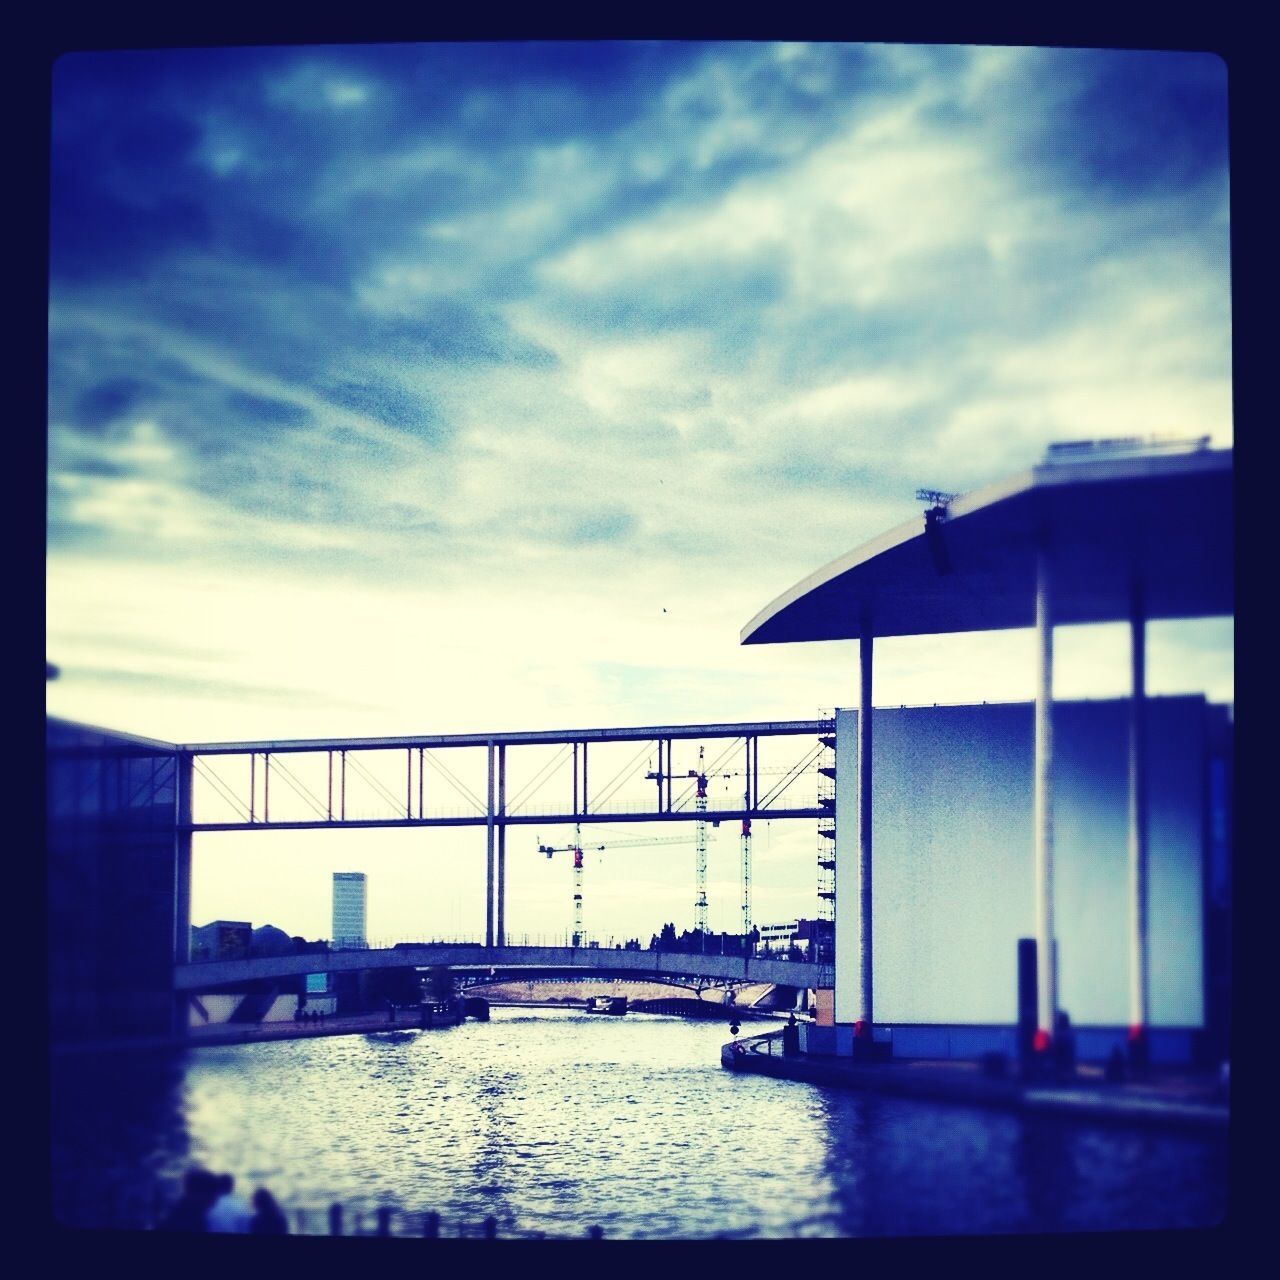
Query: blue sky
[[462, 386]]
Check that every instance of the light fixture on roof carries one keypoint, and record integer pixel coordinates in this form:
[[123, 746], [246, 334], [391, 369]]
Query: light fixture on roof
[[934, 517], [935, 498]]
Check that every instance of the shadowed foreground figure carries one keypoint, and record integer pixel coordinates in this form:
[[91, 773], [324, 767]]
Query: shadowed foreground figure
[[230, 1213], [200, 1189], [209, 1204], [268, 1218]]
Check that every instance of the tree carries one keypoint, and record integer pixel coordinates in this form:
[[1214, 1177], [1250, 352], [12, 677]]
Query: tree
[[399, 986], [440, 983]]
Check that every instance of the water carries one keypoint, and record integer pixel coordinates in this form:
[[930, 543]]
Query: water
[[552, 1121]]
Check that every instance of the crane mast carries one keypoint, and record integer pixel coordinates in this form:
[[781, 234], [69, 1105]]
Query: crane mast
[[700, 901], [577, 885], [579, 937]]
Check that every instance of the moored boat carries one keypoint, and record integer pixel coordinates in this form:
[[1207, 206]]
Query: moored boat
[[615, 1005]]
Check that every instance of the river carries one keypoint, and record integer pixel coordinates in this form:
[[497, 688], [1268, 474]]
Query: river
[[552, 1121]]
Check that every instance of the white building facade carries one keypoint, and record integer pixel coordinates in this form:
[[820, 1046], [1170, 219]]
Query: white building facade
[[953, 872], [778, 937]]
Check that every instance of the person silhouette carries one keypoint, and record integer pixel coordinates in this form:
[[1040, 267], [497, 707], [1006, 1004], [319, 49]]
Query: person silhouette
[[268, 1218], [229, 1213], [190, 1211]]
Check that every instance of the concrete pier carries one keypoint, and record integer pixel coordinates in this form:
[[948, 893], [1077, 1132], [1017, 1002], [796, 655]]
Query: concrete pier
[[1172, 1099]]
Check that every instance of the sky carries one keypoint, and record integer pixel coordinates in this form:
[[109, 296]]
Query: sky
[[479, 387]]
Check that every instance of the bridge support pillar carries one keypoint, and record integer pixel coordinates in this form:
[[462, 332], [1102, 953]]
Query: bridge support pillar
[[501, 931], [184, 765], [489, 857], [1046, 966], [863, 1022], [1139, 1002]]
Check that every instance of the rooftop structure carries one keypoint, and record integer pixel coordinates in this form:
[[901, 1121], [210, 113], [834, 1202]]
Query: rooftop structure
[[1104, 523], [1095, 533]]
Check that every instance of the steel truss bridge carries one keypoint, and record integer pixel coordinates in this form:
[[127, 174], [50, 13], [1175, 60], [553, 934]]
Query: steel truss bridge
[[246, 789], [670, 966]]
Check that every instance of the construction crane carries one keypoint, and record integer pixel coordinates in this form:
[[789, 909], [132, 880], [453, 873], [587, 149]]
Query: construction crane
[[700, 829], [700, 838], [700, 804], [578, 857]]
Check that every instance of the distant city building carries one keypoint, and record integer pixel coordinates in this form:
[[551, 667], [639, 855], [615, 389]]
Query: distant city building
[[816, 939], [349, 909], [778, 937], [270, 941], [221, 940], [795, 933]]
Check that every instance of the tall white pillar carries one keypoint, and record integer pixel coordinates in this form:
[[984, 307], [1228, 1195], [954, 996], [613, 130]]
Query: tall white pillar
[[489, 877], [501, 930], [863, 1022], [1138, 970], [1046, 975]]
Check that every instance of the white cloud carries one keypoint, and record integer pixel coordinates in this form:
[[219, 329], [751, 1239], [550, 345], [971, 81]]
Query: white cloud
[[887, 295]]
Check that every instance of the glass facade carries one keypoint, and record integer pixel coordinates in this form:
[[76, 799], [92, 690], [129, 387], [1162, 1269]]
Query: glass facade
[[111, 819]]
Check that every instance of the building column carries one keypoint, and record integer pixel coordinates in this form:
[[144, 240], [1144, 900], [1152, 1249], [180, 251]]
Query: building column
[[184, 766], [489, 860], [863, 1023], [502, 846], [1046, 968], [1139, 1007]]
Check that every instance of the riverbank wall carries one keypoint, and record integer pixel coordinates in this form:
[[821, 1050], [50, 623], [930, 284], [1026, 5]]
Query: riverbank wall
[[1166, 1098]]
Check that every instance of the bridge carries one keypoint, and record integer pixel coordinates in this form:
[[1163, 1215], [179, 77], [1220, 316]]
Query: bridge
[[337, 783], [110, 792], [646, 964]]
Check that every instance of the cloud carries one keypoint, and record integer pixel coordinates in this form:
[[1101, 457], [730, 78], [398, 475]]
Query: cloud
[[534, 341]]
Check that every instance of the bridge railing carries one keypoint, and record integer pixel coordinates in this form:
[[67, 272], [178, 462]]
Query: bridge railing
[[318, 961], [592, 942]]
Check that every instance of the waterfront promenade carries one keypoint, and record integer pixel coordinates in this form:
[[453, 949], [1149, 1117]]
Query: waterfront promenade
[[245, 1033], [221, 1033], [1173, 1097]]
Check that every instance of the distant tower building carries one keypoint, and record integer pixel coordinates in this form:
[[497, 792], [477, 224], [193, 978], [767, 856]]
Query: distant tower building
[[348, 909]]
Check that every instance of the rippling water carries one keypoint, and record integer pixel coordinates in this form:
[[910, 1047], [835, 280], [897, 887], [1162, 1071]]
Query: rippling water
[[551, 1121]]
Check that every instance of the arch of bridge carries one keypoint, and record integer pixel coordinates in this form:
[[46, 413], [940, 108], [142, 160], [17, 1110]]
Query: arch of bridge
[[661, 965]]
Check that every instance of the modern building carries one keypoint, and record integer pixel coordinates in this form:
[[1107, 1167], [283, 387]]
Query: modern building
[[953, 888], [800, 934], [113, 880], [349, 910], [221, 940], [778, 937], [1098, 832]]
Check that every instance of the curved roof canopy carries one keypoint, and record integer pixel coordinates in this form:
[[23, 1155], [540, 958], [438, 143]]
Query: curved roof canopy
[[1165, 521]]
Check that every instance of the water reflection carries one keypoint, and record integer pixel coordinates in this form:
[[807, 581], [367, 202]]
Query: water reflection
[[552, 1121], [1046, 1166], [119, 1143]]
